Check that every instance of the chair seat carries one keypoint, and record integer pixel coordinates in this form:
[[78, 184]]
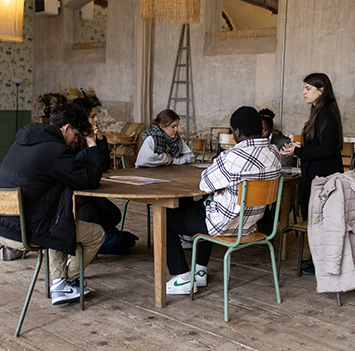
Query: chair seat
[[256, 236], [302, 226]]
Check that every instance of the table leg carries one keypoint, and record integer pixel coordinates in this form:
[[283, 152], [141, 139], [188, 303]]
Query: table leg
[[285, 214], [159, 228]]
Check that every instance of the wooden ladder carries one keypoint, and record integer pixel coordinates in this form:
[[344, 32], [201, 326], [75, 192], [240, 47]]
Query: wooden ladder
[[180, 92]]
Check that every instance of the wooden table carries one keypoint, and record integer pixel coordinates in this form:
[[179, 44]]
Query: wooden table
[[184, 182]]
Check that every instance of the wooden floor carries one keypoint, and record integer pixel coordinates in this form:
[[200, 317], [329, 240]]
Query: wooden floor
[[120, 312]]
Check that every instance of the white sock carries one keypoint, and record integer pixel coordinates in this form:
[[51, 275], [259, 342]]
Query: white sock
[[185, 276], [200, 268]]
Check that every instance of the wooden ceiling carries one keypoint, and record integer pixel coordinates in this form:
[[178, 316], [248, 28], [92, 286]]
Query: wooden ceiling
[[271, 5]]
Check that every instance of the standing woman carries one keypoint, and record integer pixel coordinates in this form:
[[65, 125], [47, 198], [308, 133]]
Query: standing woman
[[162, 144], [322, 137]]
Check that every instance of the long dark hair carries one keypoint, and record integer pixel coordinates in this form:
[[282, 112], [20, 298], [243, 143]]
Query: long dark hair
[[326, 99]]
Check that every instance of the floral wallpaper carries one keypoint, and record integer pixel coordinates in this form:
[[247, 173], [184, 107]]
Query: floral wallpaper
[[94, 31], [16, 62]]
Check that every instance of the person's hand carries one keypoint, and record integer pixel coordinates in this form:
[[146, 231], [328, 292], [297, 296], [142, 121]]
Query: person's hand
[[90, 140], [97, 132], [289, 149]]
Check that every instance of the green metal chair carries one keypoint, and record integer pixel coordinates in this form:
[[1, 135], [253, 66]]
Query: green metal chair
[[11, 204], [252, 193]]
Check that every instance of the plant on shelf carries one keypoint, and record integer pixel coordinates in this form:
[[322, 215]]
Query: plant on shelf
[[51, 101]]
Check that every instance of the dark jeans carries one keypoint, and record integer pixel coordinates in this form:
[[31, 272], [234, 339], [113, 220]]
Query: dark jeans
[[305, 189], [99, 210], [187, 219]]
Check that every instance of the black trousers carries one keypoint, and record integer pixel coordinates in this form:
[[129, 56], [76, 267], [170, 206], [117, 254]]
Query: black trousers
[[187, 219], [99, 210]]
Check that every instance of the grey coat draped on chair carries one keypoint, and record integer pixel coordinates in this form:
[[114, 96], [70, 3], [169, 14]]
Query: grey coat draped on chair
[[331, 231]]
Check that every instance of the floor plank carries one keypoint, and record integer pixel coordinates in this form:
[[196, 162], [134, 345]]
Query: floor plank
[[121, 315]]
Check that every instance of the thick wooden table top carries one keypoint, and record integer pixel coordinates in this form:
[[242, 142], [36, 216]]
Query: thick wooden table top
[[184, 182]]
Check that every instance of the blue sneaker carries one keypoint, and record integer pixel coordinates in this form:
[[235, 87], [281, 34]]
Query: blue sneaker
[[63, 291]]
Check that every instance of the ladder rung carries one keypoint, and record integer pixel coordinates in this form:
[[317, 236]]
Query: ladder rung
[[179, 99]]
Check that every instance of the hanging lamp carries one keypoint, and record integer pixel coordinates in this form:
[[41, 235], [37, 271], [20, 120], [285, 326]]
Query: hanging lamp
[[183, 11], [11, 20]]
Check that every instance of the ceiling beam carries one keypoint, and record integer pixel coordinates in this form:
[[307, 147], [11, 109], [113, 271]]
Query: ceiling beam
[[270, 5]]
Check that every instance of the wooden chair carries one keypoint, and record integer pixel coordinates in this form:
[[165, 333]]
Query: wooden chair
[[297, 227], [250, 193], [198, 147], [348, 156], [225, 141], [303, 228], [11, 204], [215, 131], [124, 144], [295, 137]]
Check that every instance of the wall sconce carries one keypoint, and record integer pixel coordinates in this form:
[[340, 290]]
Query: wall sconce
[[11, 20]]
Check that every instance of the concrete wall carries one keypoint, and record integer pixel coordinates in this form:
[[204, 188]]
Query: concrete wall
[[226, 73], [320, 37]]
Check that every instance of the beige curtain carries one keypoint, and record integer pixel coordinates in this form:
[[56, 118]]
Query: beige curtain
[[144, 39]]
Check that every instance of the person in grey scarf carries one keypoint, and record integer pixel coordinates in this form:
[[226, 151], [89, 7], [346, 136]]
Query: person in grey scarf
[[162, 144]]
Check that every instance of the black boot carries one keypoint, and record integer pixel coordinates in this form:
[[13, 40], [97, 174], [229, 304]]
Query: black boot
[[307, 267]]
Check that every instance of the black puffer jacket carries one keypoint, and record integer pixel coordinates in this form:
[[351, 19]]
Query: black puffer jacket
[[47, 171]]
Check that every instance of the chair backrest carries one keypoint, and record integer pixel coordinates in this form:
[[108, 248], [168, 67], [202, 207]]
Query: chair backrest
[[199, 147], [348, 156], [225, 141], [295, 137], [11, 204], [214, 135], [133, 129], [259, 193]]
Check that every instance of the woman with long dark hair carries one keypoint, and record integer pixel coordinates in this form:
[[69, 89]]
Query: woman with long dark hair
[[322, 136]]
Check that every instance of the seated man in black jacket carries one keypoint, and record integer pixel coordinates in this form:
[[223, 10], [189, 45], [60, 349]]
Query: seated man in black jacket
[[43, 163]]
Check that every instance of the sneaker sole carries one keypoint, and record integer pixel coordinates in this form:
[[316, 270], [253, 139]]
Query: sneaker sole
[[184, 292], [201, 285], [62, 301]]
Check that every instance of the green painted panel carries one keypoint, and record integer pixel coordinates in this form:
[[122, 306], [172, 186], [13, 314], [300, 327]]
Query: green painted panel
[[8, 128]]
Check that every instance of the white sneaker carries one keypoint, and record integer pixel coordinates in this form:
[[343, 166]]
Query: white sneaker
[[63, 291], [201, 277], [177, 285]]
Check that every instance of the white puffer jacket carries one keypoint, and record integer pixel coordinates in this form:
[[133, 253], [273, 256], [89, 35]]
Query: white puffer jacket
[[331, 231]]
